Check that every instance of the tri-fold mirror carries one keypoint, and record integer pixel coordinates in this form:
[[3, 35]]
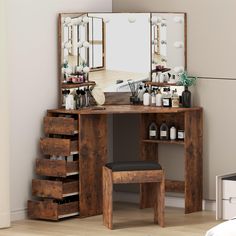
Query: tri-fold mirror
[[112, 48]]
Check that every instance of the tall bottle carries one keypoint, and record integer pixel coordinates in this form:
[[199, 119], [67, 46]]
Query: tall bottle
[[153, 98], [172, 132], [166, 99], [175, 99], [164, 131], [158, 98], [146, 98], [153, 131]]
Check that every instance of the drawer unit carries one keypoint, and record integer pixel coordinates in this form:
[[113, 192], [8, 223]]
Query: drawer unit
[[56, 168], [226, 196], [60, 125], [58, 146], [55, 189], [50, 210]]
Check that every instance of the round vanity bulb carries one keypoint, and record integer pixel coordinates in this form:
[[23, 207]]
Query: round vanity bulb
[[67, 45], [85, 20], [77, 21], [154, 42], [178, 19], [86, 69], [67, 20], [179, 69], [131, 18], [178, 44], [106, 20], [68, 70], [155, 20], [80, 44], [79, 68], [86, 44]]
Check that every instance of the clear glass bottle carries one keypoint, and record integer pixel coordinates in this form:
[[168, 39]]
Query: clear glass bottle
[[175, 99], [159, 98], [166, 99], [153, 131], [164, 131], [153, 98]]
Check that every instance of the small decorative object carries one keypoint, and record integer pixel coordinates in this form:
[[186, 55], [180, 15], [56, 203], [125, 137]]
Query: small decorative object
[[98, 95], [134, 88], [186, 81], [181, 134]]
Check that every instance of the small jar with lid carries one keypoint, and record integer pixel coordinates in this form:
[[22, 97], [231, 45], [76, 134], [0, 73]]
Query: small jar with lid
[[180, 134]]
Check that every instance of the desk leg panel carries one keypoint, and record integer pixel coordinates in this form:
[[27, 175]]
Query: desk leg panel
[[92, 157], [193, 161]]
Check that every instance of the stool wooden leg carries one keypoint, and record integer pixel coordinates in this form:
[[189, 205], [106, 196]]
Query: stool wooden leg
[[159, 205], [107, 197]]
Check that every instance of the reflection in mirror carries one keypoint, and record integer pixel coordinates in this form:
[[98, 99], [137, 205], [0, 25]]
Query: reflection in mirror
[[120, 49], [112, 48], [168, 42]]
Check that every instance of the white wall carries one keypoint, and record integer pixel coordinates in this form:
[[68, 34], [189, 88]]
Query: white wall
[[32, 70], [211, 53], [4, 127]]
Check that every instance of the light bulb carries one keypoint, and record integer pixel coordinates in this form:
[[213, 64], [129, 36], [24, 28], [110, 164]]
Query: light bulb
[[80, 44], [178, 44], [86, 44], [179, 69], [86, 69], [85, 20], [77, 21], [79, 68], [178, 19], [131, 18], [68, 45], [67, 20]]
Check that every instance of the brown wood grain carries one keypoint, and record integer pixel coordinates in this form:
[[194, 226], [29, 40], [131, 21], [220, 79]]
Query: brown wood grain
[[53, 189], [60, 125], [42, 210], [141, 176], [92, 157], [58, 147], [68, 208], [118, 98], [55, 168], [193, 161], [174, 186], [107, 198]]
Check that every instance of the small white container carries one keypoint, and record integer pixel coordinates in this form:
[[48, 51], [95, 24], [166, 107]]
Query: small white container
[[146, 99], [172, 133]]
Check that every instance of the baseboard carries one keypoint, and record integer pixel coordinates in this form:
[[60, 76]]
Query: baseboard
[[207, 205], [19, 214], [4, 220]]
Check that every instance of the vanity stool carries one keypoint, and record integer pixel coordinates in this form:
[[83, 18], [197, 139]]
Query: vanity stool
[[133, 172]]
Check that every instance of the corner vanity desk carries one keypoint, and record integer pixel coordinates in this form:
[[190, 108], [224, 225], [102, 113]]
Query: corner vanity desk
[[89, 127]]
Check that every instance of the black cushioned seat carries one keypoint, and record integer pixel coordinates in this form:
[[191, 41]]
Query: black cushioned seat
[[133, 165]]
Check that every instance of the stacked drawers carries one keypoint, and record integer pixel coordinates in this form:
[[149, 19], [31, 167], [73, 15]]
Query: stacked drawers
[[56, 191], [229, 197]]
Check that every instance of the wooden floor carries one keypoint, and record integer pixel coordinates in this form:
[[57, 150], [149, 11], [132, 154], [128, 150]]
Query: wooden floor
[[128, 220]]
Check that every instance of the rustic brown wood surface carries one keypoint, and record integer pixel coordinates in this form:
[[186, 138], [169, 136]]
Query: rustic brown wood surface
[[193, 161], [122, 109], [60, 125], [141, 176], [174, 186], [56, 168], [119, 98], [54, 189], [67, 209], [42, 210], [159, 203], [107, 198], [92, 157], [58, 147]]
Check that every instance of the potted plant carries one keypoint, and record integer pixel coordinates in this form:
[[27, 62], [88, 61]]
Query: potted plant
[[186, 81]]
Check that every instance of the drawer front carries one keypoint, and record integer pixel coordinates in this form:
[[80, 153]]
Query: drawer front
[[60, 125], [54, 189], [228, 189], [58, 147], [229, 209], [48, 210], [56, 168]]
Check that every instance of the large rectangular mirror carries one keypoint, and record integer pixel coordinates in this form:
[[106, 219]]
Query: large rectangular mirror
[[112, 48]]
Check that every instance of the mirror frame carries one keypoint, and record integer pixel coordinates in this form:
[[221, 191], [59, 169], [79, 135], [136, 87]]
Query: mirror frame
[[112, 98]]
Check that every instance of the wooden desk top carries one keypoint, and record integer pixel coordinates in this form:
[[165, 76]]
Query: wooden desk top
[[124, 109]]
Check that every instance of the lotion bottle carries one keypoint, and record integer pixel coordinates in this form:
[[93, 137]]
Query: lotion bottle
[[146, 98]]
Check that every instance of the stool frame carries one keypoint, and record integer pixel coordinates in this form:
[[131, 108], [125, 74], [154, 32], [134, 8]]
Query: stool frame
[[156, 177]]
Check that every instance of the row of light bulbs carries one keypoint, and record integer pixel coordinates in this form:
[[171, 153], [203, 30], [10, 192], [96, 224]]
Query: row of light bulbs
[[80, 44], [68, 21], [177, 44], [79, 69]]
